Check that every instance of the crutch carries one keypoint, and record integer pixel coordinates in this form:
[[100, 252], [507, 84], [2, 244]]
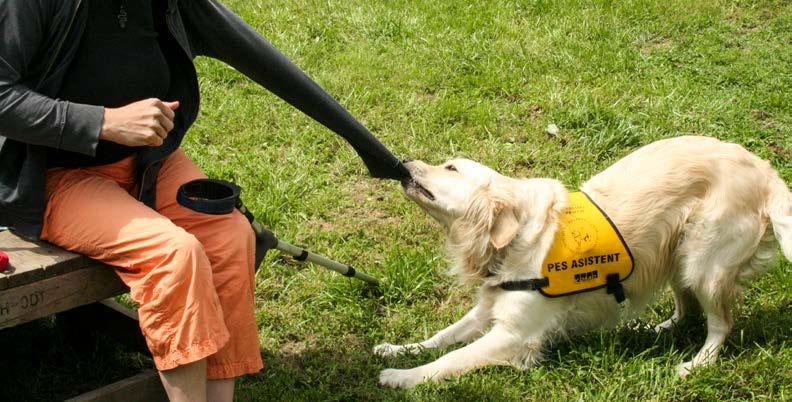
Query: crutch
[[269, 240], [218, 197]]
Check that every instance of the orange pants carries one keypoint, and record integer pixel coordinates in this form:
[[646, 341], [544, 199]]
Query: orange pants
[[190, 273]]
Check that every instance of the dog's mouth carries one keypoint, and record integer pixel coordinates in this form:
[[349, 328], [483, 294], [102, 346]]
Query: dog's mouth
[[410, 183]]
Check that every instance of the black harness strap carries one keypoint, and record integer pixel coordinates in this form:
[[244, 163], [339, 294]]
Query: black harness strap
[[528, 284], [612, 286]]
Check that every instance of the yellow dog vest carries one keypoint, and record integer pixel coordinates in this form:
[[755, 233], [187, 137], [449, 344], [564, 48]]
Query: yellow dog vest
[[587, 253]]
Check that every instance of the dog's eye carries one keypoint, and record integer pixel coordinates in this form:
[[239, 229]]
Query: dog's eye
[[451, 168]]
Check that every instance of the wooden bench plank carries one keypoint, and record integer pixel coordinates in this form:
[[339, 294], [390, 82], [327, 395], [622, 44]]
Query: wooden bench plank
[[87, 284], [144, 387], [31, 261]]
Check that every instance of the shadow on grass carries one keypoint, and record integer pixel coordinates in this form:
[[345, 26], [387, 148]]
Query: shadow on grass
[[753, 330], [43, 363], [350, 372], [343, 374]]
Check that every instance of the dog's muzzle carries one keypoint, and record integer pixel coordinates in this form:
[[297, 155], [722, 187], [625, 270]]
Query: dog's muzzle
[[409, 182]]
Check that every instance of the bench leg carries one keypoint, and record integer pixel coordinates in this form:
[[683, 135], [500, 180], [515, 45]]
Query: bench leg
[[120, 323]]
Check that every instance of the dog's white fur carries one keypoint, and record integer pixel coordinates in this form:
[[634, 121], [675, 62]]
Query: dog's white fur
[[698, 214]]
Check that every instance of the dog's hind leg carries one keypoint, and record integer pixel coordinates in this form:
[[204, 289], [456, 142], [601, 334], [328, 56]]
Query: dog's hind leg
[[498, 347], [719, 324], [470, 326], [717, 253], [685, 305]]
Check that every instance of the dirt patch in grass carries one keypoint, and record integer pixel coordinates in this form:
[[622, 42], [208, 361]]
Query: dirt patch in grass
[[760, 115], [748, 29], [763, 118], [652, 46], [291, 354], [782, 152], [535, 111], [425, 96], [363, 209]]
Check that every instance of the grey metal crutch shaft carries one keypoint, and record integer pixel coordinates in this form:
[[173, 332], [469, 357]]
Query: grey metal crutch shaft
[[301, 254], [304, 255]]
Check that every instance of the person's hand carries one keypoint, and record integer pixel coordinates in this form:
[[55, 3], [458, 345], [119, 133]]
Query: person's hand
[[145, 122]]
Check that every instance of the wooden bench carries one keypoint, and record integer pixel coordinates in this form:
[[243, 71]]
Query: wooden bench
[[44, 279]]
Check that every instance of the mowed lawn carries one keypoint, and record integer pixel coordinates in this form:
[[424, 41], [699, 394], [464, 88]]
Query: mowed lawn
[[481, 80]]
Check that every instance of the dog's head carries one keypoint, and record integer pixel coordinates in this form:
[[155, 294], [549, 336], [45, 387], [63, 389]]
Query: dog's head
[[475, 204]]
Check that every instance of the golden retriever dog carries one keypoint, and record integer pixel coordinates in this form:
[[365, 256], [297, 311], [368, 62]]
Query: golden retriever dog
[[699, 215]]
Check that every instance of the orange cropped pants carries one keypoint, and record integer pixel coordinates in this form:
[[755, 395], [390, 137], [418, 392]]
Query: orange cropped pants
[[191, 274]]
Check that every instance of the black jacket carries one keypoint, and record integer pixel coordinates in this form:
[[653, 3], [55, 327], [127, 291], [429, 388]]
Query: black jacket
[[38, 39]]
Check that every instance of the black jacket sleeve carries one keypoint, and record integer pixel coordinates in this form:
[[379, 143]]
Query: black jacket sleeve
[[217, 32], [26, 115]]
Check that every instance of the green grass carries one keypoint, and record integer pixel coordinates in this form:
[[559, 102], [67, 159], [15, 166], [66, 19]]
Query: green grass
[[440, 79]]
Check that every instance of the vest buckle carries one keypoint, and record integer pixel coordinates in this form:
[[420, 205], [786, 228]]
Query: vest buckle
[[614, 287]]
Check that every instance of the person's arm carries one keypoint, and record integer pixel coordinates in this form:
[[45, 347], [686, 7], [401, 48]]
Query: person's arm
[[30, 117], [26, 115], [217, 32]]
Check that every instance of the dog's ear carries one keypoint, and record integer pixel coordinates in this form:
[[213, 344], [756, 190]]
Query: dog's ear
[[489, 223], [505, 225]]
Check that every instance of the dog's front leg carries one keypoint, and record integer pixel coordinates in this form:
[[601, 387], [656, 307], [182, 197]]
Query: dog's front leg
[[469, 327], [497, 347]]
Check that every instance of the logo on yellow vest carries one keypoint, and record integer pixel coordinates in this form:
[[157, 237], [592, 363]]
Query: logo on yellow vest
[[587, 248]]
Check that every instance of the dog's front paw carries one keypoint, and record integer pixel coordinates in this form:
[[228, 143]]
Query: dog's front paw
[[665, 325], [400, 378], [684, 369], [387, 350]]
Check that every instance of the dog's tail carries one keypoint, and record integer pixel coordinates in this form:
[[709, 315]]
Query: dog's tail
[[779, 208]]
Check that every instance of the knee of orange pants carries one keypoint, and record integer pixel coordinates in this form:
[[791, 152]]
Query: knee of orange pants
[[232, 256], [179, 310], [232, 241], [229, 243]]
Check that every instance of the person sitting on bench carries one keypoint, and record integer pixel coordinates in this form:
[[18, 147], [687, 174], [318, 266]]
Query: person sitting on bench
[[95, 98]]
